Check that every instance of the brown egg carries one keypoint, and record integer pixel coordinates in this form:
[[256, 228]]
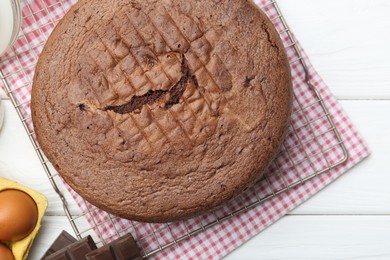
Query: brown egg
[[5, 253], [18, 215]]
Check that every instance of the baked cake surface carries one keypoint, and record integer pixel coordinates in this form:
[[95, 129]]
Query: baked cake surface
[[160, 110]]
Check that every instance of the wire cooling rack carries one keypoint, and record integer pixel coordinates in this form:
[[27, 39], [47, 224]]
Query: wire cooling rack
[[313, 144]]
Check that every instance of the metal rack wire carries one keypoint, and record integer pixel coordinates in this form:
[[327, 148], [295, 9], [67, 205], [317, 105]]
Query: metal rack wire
[[306, 153]]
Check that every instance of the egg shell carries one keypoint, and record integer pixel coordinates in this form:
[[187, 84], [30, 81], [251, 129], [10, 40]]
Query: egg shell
[[21, 248], [5, 253], [18, 215]]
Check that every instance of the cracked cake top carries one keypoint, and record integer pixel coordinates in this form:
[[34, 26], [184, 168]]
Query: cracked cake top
[[161, 110]]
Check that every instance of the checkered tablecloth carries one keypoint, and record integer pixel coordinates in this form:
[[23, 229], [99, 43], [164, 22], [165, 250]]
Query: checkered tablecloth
[[310, 147]]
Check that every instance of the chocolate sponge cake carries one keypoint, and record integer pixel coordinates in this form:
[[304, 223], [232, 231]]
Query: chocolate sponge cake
[[160, 110]]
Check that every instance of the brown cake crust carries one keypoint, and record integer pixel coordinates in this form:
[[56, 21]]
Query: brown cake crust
[[158, 110]]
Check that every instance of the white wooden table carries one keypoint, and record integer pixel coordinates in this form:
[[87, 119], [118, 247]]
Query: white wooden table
[[349, 44]]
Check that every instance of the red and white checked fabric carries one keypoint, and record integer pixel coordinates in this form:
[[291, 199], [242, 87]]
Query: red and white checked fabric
[[310, 147]]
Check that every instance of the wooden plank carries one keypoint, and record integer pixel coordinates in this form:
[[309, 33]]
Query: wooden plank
[[364, 190], [19, 161], [321, 238], [3, 95], [50, 229], [347, 42], [293, 237]]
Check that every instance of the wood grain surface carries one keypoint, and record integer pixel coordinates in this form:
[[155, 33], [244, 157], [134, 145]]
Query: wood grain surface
[[348, 43]]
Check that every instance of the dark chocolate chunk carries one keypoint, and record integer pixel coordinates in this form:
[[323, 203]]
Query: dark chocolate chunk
[[123, 248], [75, 251], [63, 240]]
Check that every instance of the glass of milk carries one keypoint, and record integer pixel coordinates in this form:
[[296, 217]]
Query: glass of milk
[[10, 22]]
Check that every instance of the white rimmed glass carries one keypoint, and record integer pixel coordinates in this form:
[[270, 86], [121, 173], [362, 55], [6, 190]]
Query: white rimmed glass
[[10, 23]]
